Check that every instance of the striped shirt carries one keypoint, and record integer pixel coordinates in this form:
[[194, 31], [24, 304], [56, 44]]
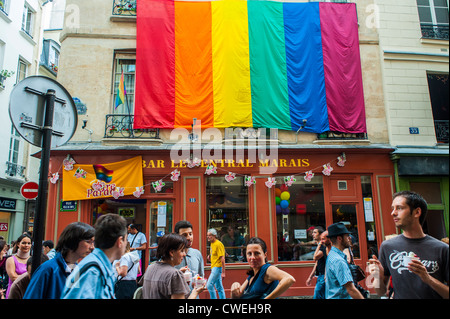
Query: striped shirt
[[337, 274]]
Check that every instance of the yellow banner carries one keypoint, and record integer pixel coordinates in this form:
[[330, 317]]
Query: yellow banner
[[103, 180]]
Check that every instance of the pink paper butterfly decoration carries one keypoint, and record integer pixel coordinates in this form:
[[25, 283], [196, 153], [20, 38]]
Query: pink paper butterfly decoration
[[289, 180], [230, 177], [327, 169], [341, 160], [308, 176], [249, 181], [68, 163], [194, 163], [54, 178], [118, 192], [158, 185], [138, 192], [270, 182], [211, 169], [175, 175], [80, 173]]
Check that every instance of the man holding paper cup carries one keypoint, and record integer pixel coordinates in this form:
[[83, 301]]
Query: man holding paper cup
[[417, 263]]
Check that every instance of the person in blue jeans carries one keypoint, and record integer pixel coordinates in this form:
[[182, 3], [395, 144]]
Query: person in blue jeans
[[217, 255], [320, 257]]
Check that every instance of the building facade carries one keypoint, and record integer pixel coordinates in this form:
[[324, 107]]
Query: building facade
[[232, 179], [26, 49], [414, 51], [19, 44]]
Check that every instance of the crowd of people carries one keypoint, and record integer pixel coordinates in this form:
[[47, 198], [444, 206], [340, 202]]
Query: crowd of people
[[104, 262]]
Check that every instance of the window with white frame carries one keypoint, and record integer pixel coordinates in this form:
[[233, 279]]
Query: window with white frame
[[28, 19], [14, 169], [54, 57], [21, 70], [14, 146], [434, 18], [125, 63], [4, 6]]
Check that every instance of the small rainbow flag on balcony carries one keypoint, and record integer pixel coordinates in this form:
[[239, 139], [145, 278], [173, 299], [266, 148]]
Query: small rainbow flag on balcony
[[121, 92], [233, 63]]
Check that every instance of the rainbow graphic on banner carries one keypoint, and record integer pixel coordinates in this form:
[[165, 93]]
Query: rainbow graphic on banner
[[102, 173], [233, 63]]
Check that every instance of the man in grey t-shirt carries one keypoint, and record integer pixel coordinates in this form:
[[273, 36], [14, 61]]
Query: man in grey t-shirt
[[194, 258], [433, 256], [423, 278]]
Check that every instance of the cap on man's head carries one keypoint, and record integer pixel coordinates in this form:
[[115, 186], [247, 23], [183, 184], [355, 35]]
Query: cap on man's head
[[337, 229], [212, 231]]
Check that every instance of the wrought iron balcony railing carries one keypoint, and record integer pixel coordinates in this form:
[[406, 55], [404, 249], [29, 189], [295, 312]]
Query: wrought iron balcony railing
[[341, 136], [124, 7], [441, 128], [433, 31], [15, 170], [121, 126]]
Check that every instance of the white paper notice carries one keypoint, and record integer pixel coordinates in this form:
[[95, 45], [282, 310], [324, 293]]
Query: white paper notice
[[368, 211], [162, 210]]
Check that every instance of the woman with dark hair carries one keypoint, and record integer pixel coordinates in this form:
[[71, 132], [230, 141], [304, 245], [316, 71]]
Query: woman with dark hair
[[75, 242], [17, 264], [161, 279], [264, 281]]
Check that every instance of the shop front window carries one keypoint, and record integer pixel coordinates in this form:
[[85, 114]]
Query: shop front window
[[227, 207], [346, 214], [299, 209]]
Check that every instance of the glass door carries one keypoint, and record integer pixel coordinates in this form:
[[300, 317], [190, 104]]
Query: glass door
[[347, 214], [161, 223]]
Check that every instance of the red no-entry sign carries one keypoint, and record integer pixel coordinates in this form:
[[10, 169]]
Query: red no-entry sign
[[29, 190]]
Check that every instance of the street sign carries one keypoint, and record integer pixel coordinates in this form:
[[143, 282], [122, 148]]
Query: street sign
[[29, 190], [27, 108], [44, 114]]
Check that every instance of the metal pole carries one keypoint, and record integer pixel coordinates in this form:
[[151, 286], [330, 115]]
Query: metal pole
[[41, 203]]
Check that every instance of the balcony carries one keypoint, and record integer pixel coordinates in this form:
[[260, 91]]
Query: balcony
[[341, 136], [433, 31], [124, 8], [441, 128], [15, 170], [121, 126]]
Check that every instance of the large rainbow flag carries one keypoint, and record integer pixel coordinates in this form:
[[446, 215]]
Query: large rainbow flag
[[232, 63]]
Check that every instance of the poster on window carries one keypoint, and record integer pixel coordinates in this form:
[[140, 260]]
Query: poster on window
[[368, 210], [162, 213]]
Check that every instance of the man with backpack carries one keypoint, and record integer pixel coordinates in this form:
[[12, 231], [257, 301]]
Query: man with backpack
[[93, 278]]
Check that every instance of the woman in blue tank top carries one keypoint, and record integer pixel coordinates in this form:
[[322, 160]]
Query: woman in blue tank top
[[264, 281]]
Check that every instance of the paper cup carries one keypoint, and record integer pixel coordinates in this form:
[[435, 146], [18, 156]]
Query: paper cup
[[188, 276], [408, 259], [199, 282]]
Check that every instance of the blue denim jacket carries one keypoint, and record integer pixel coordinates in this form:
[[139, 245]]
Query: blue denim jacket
[[94, 282]]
